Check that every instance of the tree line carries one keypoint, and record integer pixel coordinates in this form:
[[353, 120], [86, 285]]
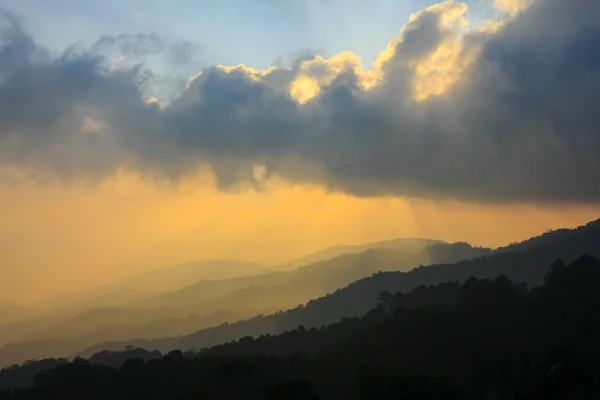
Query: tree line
[[482, 339]]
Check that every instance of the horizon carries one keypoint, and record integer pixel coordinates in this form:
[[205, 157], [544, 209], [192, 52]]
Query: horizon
[[136, 135], [267, 268], [303, 199]]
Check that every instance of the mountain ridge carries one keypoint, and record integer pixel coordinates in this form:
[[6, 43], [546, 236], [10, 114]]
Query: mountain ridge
[[328, 253], [529, 266], [257, 293]]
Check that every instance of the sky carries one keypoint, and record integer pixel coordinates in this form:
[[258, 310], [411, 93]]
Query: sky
[[139, 134]]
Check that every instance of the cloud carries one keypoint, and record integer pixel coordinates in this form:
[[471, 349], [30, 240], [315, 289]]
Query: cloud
[[141, 46], [512, 6], [488, 115]]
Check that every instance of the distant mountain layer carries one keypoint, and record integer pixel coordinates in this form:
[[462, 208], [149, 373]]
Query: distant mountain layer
[[408, 245], [477, 340], [528, 265], [10, 312], [288, 289], [261, 293], [524, 262], [109, 308], [174, 278], [60, 344], [144, 284]]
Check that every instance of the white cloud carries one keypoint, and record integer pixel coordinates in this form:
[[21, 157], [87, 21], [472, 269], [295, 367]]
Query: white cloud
[[512, 6]]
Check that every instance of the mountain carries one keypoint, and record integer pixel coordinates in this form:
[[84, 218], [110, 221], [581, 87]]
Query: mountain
[[166, 280], [11, 312], [565, 238], [21, 329], [145, 284], [528, 265], [481, 339], [44, 318], [59, 343], [107, 308], [105, 296], [474, 332], [288, 289], [242, 297], [407, 245]]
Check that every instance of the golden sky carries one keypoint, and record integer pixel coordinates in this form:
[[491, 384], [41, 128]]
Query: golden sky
[[65, 237], [59, 238]]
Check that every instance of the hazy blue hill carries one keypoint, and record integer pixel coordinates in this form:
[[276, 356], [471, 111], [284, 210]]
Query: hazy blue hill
[[407, 245]]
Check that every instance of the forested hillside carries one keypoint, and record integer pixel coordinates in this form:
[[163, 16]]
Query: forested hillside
[[479, 340], [209, 303], [528, 266]]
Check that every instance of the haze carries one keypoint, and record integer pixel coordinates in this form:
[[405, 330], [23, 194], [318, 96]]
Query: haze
[[308, 199], [60, 239], [338, 186], [128, 145]]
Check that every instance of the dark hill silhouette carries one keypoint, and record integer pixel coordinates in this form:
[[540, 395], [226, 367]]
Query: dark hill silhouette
[[21, 376], [483, 339], [528, 266], [565, 237]]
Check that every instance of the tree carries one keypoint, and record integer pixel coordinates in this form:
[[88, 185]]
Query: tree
[[384, 300]]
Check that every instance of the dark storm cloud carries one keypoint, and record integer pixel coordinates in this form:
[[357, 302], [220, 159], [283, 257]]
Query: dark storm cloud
[[141, 46], [131, 44], [522, 123], [18, 48]]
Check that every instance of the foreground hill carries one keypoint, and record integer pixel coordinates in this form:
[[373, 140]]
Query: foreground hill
[[528, 266], [481, 339], [406, 245]]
